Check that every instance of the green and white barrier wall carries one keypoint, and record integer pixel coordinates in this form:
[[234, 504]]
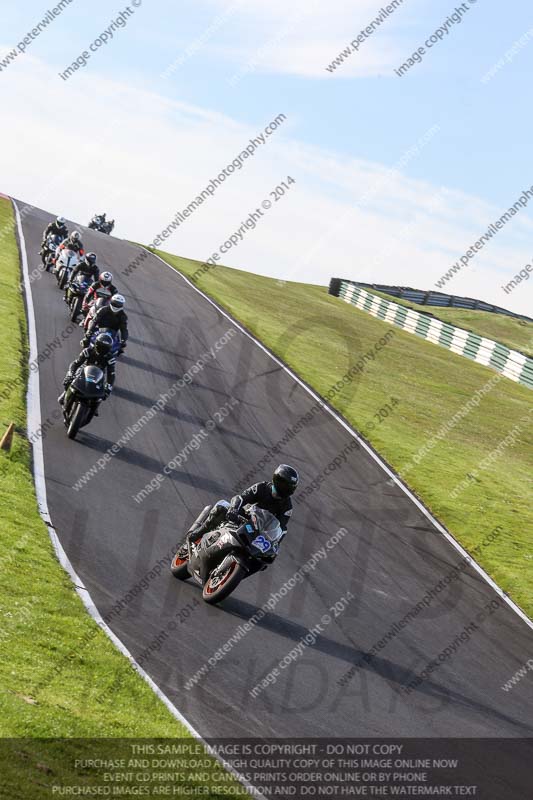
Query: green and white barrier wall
[[512, 364]]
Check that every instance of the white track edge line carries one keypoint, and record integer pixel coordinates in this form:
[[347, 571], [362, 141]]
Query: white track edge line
[[447, 535], [33, 405]]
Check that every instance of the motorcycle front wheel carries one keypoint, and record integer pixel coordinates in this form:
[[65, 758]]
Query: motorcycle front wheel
[[219, 587], [76, 308], [76, 420], [63, 278]]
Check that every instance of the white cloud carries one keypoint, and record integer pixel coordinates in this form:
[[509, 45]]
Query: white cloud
[[142, 157], [304, 36]]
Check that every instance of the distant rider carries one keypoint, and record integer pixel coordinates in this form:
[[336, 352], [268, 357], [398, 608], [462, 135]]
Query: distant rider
[[273, 496], [111, 316], [98, 355]]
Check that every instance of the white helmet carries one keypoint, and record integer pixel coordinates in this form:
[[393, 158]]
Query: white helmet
[[61, 221], [75, 236], [117, 303]]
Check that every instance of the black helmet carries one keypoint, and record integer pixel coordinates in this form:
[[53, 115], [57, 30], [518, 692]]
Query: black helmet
[[90, 259], [284, 480], [103, 344]]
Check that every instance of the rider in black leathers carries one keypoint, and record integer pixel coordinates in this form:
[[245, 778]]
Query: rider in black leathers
[[87, 267], [273, 496], [97, 354], [111, 316]]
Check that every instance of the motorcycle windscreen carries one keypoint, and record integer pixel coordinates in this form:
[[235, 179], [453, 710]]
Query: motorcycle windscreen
[[68, 257], [90, 382], [268, 530], [80, 285]]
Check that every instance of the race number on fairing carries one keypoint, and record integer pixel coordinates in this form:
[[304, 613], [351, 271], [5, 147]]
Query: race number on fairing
[[262, 544]]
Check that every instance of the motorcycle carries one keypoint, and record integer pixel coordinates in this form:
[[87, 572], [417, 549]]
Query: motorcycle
[[95, 306], [68, 259], [115, 335], [82, 398], [220, 559], [75, 295], [96, 223], [49, 251]]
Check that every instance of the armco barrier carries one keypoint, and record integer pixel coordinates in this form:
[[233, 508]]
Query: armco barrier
[[512, 364], [433, 298]]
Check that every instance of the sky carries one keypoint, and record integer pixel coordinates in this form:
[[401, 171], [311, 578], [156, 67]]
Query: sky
[[393, 177]]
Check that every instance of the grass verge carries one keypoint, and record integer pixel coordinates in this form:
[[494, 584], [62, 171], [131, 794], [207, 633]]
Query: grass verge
[[320, 337], [60, 676], [517, 334]]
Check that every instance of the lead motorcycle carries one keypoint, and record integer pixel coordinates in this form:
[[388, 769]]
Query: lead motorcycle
[[82, 398], [220, 559], [96, 223]]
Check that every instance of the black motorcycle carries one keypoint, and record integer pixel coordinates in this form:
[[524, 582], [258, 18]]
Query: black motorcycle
[[96, 223], [82, 398], [220, 559], [75, 295]]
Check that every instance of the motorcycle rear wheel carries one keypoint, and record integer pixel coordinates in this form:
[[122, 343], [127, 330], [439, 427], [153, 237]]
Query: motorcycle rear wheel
[[223, 586], [76, 420], [178, 565]]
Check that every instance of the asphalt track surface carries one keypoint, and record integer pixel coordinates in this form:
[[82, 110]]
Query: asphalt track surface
[[389, 558]]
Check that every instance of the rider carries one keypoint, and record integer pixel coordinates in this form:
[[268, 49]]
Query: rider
[[273, 496], [102, 287], [57, 227], [72, 242], [111, 316], [97, 354], [87, 267]]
